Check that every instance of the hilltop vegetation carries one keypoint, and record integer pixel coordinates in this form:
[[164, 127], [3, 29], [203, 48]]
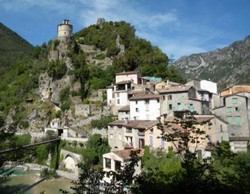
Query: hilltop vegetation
[[138, 53], [12, 46], [114, 48]]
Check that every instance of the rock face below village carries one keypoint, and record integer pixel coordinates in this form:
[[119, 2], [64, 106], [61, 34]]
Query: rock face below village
[[228, 66]]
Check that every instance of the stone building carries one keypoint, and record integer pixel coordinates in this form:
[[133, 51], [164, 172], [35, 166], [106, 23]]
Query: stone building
[[235, 109], [64, 30]]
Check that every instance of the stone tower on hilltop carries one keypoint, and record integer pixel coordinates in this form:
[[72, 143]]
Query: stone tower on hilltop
[[64, 30]]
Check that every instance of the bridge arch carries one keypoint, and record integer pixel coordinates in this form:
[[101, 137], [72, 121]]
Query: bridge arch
[[70, 160]]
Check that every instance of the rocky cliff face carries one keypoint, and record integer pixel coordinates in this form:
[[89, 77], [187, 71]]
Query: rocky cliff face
[[227, 66]]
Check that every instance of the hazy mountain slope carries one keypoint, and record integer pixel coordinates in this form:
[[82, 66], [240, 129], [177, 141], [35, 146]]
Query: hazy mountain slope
[[227, 66], [11, 46]]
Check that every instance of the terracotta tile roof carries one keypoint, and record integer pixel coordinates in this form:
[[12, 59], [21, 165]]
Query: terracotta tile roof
[[145, 96], [136, 124], [124, 109], [170, 89], [125, 154], [127, 72], [206, 118]]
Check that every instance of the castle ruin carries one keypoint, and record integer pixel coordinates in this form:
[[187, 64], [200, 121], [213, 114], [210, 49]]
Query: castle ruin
[[64, 30]]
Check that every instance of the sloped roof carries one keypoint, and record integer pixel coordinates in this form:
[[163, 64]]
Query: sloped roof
[[136, 124], [124, 109], [126, 154], [171, 89], [127, 72], [145, 96]]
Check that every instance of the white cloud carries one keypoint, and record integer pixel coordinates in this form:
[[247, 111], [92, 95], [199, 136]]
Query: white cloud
[[167, 30]]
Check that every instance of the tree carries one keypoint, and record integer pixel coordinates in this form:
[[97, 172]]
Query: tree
[[95, 148], [91, 179], [188, 174]]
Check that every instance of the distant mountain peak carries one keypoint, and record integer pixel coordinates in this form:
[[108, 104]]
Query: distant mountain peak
[[226, 66]]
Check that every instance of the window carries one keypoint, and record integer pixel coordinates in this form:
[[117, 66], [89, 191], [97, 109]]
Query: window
[[229, 109], [118, 101], [178, 106], [141, 143], [170, 107], [107, 163], [221, 129], [169, 97], [117, 165], [151, 141], [234, 101], [158, 100], [229, 120], [237, 120], [136, 102], [118, 94], [146, 101], [128, 130], [136, 109], [191, 107], [237, 109], [129, 140]]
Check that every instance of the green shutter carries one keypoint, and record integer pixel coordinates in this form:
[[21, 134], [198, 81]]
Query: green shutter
[[229, 120], [237, 121]]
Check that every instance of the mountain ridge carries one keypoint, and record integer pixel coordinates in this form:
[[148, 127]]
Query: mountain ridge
[[12, 46], [227, 66]]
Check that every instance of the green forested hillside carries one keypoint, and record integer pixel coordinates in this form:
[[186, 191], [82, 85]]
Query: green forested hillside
[[20, 80], [139, 53], [12, 46]]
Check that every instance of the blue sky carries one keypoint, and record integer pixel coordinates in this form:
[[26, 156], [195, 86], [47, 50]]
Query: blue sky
[[177, 27]]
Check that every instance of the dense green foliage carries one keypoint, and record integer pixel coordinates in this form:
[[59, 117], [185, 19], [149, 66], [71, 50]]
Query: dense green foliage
[[95, 148], [12, 46], [139, 53], [17, 83], [102, 123], [56, 69]]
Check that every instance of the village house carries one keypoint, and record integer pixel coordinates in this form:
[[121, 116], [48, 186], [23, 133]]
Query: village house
[[144, 107], [118, 94], [235, 110], [124, 134], [181, 98], [115, 161]]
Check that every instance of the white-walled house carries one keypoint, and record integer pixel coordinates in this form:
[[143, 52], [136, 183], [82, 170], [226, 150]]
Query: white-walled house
[[57, 127], [124, 113], [145, 107], [119, 93], [117, 160], [132, 76], [204, 85]]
